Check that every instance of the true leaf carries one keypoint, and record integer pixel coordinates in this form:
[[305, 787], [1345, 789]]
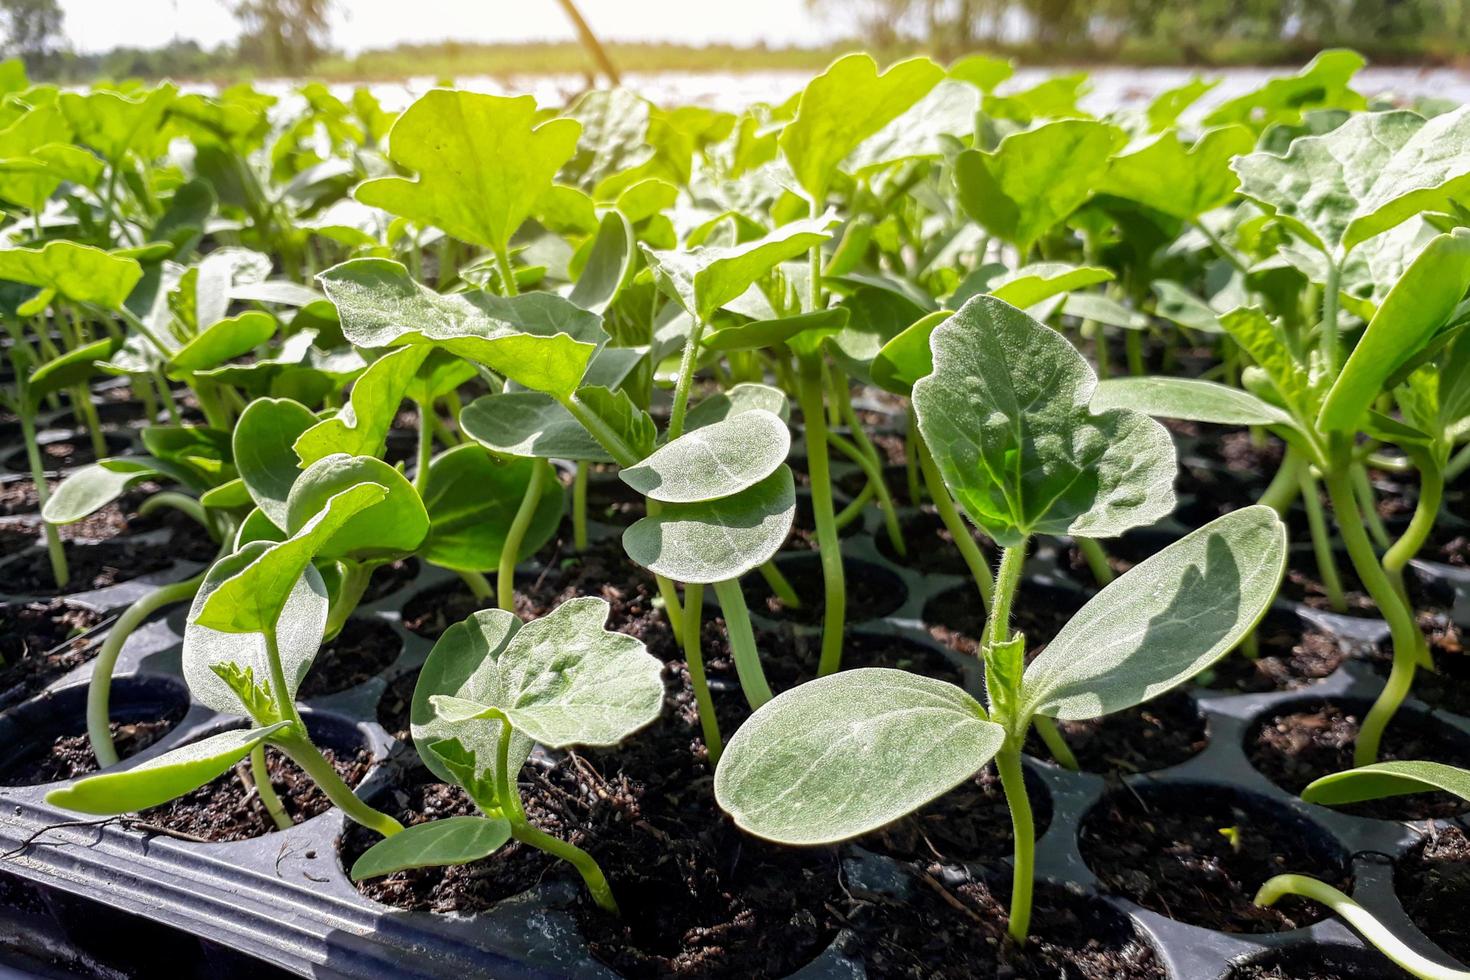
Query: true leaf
[[844, 754], [163, 778], [762, 334], [1031, 284], [299, 631], [482, 162], [1165, 620], [435, 844], [1179, 180], [1006, 415], [715, 540], [610, 265], [715, 461]]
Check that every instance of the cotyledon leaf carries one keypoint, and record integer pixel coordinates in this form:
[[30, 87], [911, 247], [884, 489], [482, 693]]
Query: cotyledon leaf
[[1165, 620], [225, 339], [529, 423], [472, 498], [360, 427], [385, 529], [714, 461], [261, 443], [844, 754], [434, 844], [1187, 398], [715, 540], [1383, 779]]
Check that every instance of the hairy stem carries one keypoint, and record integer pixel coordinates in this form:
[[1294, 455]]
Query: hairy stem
[[1013, 782], [687, 365], [998, 626]]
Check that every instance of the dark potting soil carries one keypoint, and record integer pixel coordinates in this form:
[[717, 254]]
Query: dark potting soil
[[872, 591], [40, 641], [19, 497], [1450, 545], [931, 547], [1294, 746], [1154, 735], [969, 823], [1199, 853], [57, 454], [1432, 881], [388, 579], [612, 501], [89, 566], [1239, 452], [952, 926], [1290, 655], [956, 616], [362, 650], [1319, 962], [224, 810], [17, 537], [395, 704], [895, 478], [70, 756], [430, 612], [1307, 588], [804, 526], [1448, 685], [790, 658]]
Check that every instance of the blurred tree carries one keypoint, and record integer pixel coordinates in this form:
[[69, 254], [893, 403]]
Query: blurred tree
[[283, 35], [32, 32]]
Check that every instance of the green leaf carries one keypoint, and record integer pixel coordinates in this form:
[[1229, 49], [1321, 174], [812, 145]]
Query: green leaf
[[251, 601], [1165, 620], [114, 124], [924, 131], [1384, 779], [224, 340], [1363, 178], [741, 398], [529, 423], [848, 753], [715, 461], [705, 278], [472, 498], [435, 844], [1101, 309], [1166, 107], [1034, 179], [80, 273], [482, 164], [65, 370], [385, 529], [1323, 83], [1039, 281], [1179, 180], [163, 778], [715, 540], [763, 334], [360, 428], [981, 71], [1267, 345], [93, 487], [1006, 415], [906, 358], [1421, 302], [299, 631], [615, 410], [539, 340], [264, 435], [845, 105], [1187, 398], [611, 263]]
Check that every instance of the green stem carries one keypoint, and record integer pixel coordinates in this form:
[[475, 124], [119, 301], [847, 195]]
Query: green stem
[[1369, 506], [509, 792], [1096, 558], [99, 685], [1360, 919], [742, 642], [181, 502], [478, 585], [1051, 737], [1023, 826], [510, 551], [1133, 347], [1458, 464], [1398, 556], [306, 755], [865, 455], [955, 524], [691, 641], [998, 626], [854, 508], [1286, 484], [1224, 251], [355, 578], [261, 775], [507, 274], [579, 507], [780, 587], [687, 365], [1330, 300], [86, 413], [911, 461], [425, 449], [38, 477], [829, 545], [1402, 630], [1322, 542]]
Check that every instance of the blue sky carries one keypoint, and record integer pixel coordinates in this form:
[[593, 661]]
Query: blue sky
[[93, 25]]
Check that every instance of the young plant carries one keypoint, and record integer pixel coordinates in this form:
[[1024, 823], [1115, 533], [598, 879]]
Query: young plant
[[1006, 413], [1373, 782], [493, 688], [255, 626]]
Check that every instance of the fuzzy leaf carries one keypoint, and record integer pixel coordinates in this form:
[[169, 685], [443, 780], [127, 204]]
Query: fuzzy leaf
[[92, 487], [1179, 180], [360, 428], [1165, 620], [1006, 415], [391, 527], [1187, 398], [529, 423], [482, 164], [225, 339], [845, 754], [715, 461], [741, 398]]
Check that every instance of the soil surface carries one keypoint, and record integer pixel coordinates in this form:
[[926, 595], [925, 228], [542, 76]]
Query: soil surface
[[804, 527], [931, 547], [872, 591], [395, 704], [969, 823], [1448, 685], [1198, 854], [227, 808], [952, 925], [1292, 747], [70, 756], [1432, 881], [1318, 962], [1154, 735], [612, 501], [1290, 655], [388, 579], [361, 651], [39, 641], [430, 612], [89, 566]]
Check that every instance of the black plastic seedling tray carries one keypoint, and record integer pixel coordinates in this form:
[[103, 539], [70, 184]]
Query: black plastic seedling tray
[[284, 898]]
